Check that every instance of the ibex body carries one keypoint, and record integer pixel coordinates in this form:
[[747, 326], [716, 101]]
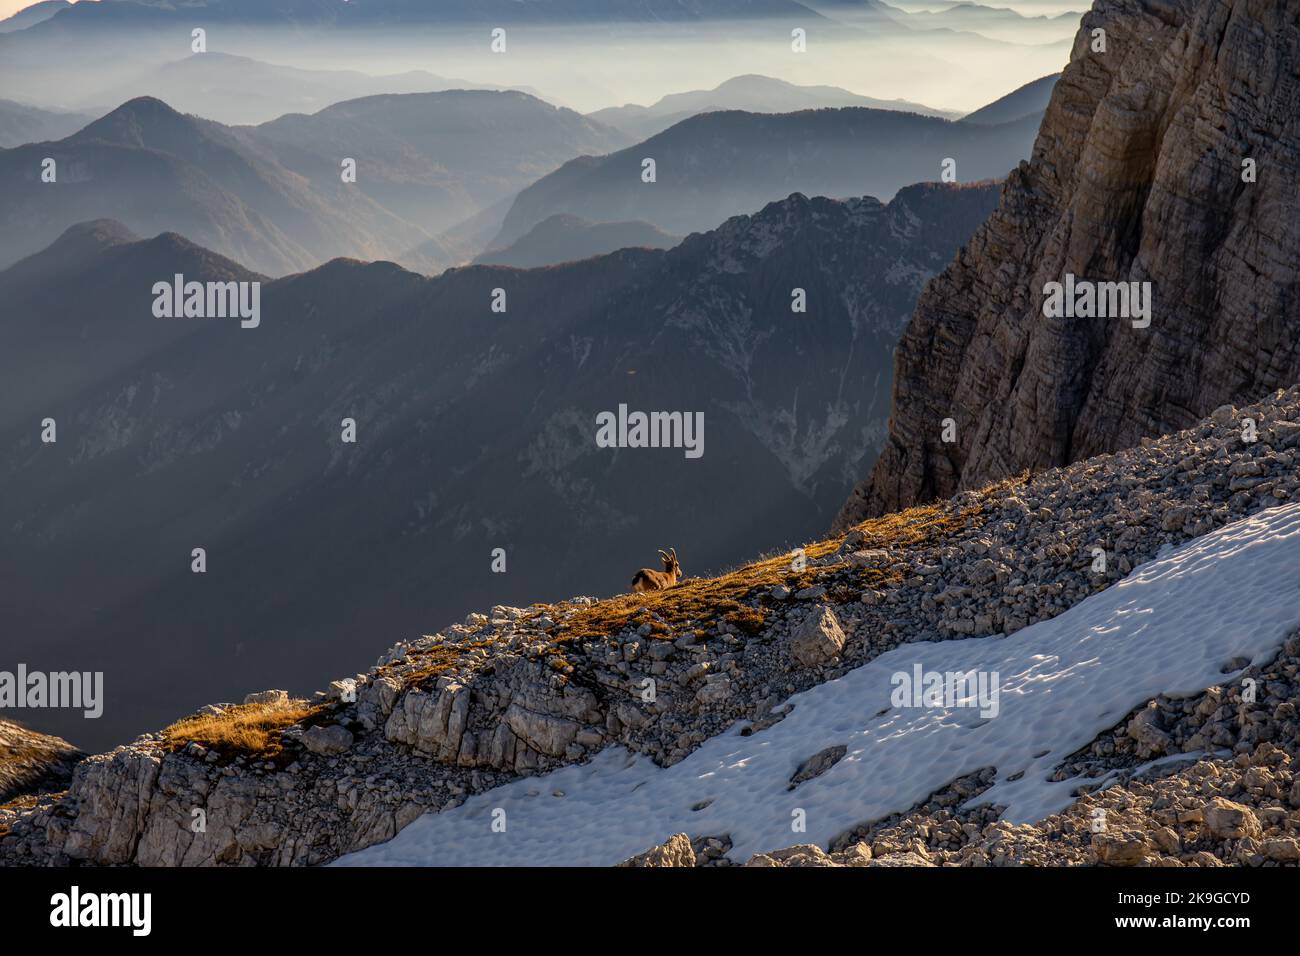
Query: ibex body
[[648, 579]]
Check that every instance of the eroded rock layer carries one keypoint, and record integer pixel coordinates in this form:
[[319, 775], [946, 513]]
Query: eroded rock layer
[[1139, 174]]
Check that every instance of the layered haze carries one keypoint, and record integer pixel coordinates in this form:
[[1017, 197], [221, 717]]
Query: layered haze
[[573, 53], [762, 279]]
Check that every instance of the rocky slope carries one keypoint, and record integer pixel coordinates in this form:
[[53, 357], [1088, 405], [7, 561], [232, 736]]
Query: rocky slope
[[1241, 808], [1136, 175], [516, 691], [32, 763]]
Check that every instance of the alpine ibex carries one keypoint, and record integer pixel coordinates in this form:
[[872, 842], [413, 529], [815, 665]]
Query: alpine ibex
[[648, 579]]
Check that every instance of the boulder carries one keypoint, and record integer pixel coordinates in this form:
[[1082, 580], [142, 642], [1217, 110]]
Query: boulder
[[1228, 820], [818, 640]]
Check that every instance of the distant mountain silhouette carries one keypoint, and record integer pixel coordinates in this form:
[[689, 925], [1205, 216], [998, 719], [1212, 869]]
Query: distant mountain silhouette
[[44, 358], [20, 124], [155, 169], [433, 158], [475, 431], [999, 22], [32, 15], [754, 93], [377, 13], [458, 244], [565, 238], [239, 89], [716, 165], [1029, 100], [875, 14]]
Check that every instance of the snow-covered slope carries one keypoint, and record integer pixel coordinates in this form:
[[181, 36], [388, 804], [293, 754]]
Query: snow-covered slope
[[1176, 625]]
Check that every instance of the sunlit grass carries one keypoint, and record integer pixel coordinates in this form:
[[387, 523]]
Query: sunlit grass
[[724, 596], [249, 730]]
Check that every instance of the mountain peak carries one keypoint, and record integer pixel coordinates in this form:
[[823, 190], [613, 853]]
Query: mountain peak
[[75, 246], [101, 233], [136, 122]]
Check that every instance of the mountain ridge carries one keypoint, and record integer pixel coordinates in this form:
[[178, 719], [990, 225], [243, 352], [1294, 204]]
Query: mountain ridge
[[831, 152], [273, 195], [203, 430]]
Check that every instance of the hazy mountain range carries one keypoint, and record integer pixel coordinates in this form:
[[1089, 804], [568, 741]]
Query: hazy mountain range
[[996, 22], [1134, 698], [273, 195], [756, 94], [21, 124], [240, 90], [427, 164], [435, 158], [32, 15], [714, 165], [565, 238], [369, 13], [592, 55], [475, 431]]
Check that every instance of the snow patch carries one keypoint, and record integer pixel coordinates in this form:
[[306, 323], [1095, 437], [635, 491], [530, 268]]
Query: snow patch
[[1169, 627]]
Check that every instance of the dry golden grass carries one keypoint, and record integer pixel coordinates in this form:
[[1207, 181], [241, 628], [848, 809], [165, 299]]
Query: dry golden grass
[[700, 599], [248, 730], [432, 661], [26, 801], [1005, 484]]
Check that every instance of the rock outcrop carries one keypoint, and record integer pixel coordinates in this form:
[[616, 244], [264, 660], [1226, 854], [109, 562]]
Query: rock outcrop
[[32, 762], [1171, 158]]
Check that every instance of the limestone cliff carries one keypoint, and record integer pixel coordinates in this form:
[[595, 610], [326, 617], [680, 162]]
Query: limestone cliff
[[1138, 174]]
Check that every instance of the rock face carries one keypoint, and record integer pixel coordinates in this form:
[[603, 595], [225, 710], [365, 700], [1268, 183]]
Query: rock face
[[524, 713], [1137, 175], [676, 852]]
